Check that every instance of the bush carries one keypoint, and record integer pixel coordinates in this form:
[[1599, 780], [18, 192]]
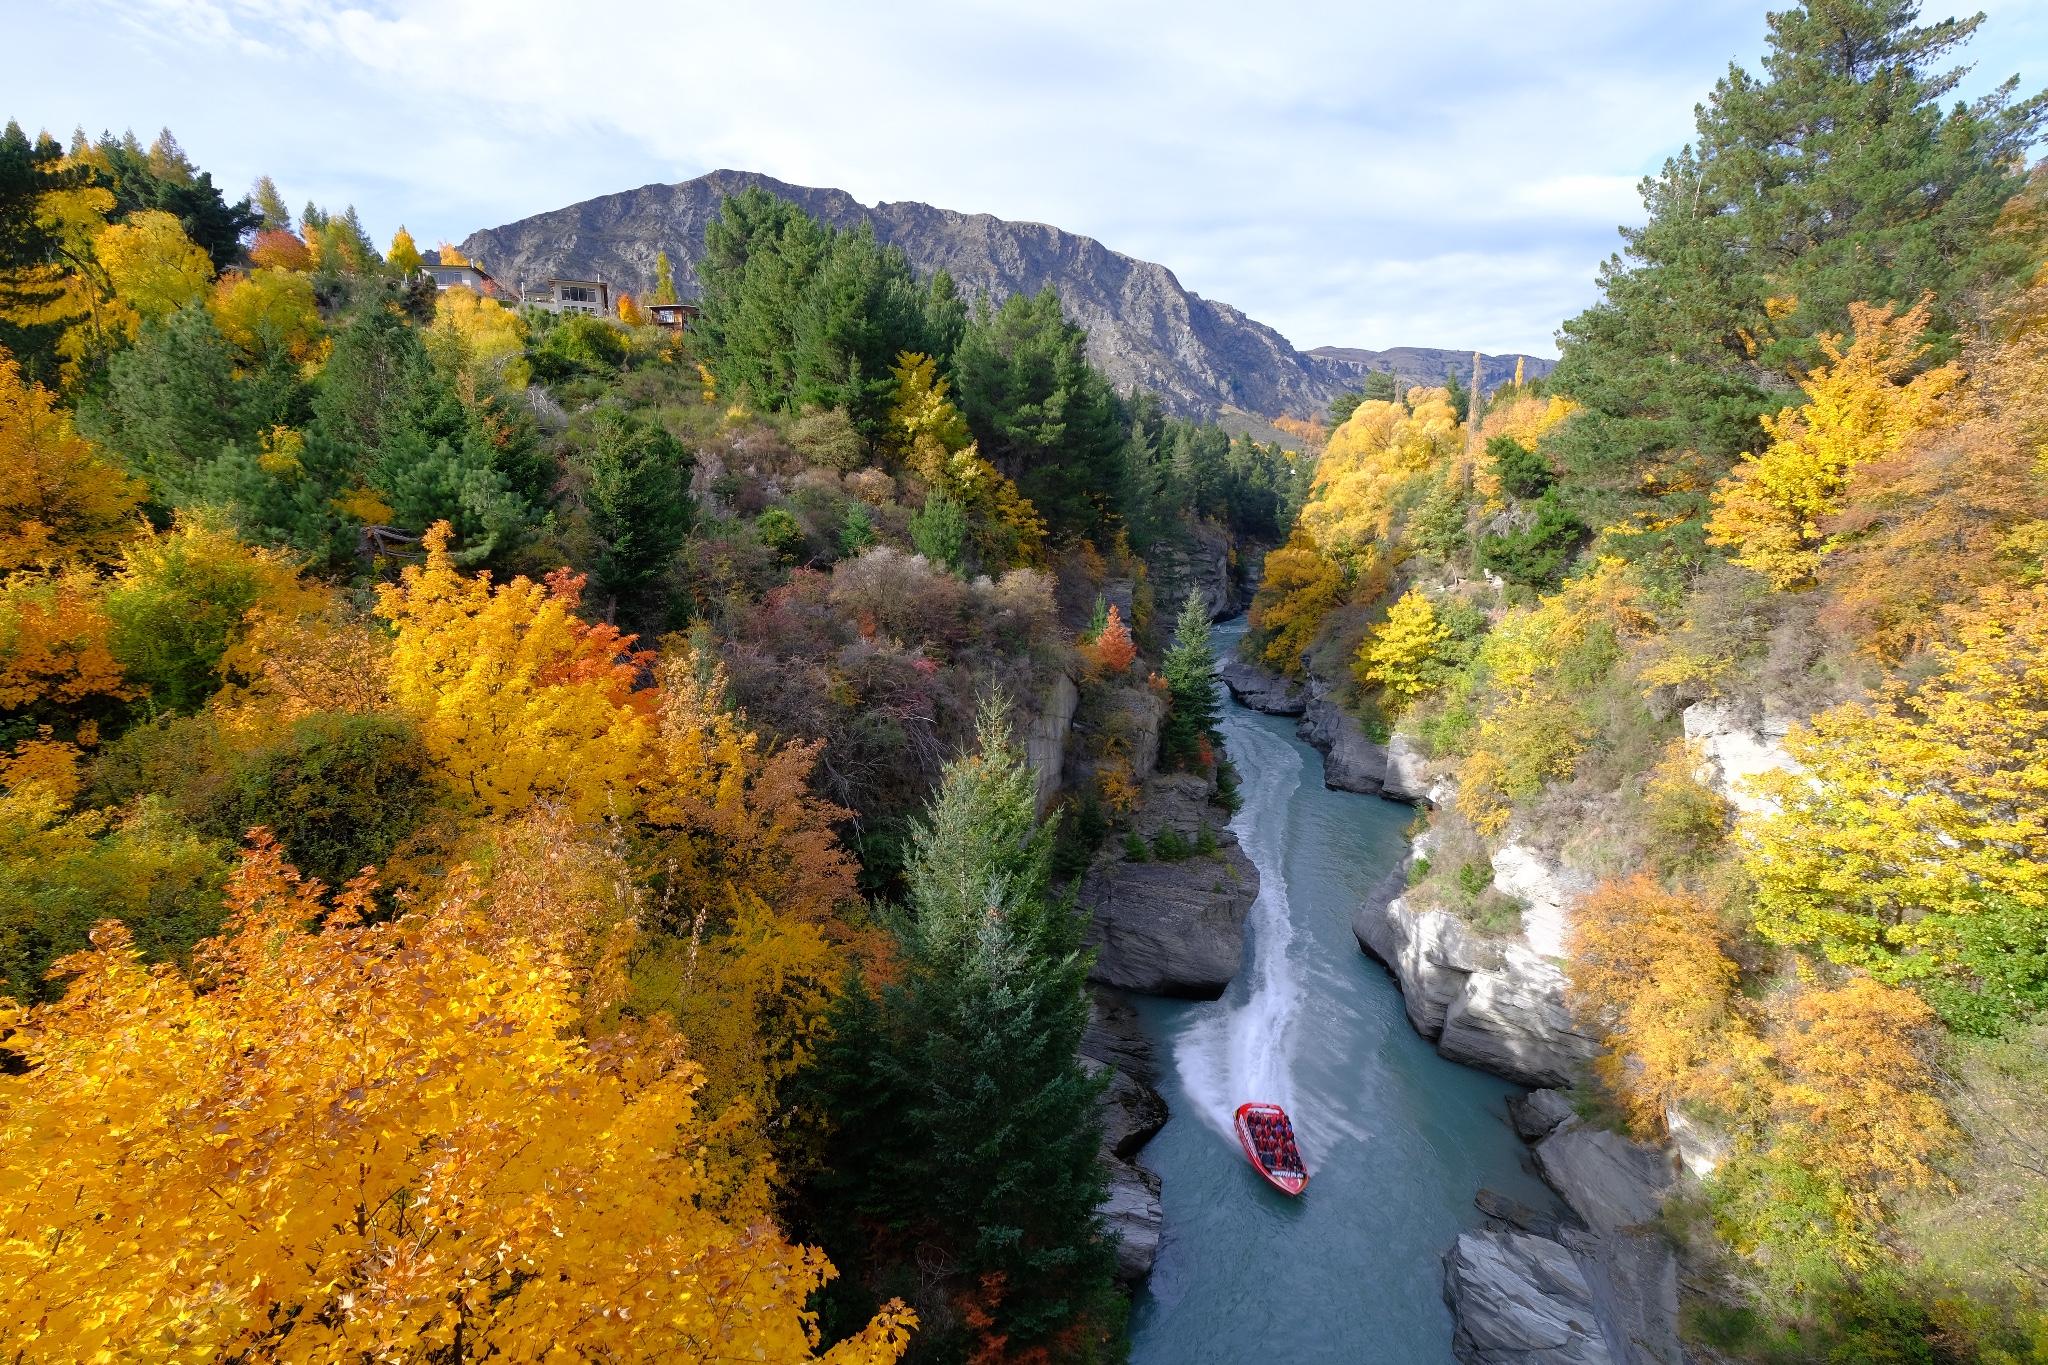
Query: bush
[[1536, 557], [1171, 846], [339, 792], [829, 440], [1521, 471]]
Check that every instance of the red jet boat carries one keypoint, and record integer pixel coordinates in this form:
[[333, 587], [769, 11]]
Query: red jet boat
[[1268, 1139]]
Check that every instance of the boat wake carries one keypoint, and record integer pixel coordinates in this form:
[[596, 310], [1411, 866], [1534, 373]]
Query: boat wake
[[1244, 1050]]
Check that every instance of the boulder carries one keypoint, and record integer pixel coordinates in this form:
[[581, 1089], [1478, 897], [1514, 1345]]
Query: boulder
[[1538, 1114], [1520, 1300], [1736, 740], [1512, 1020], [1407, 776], [1351, 762], [1260, 690], [1701, 1146], [1609, 1181]]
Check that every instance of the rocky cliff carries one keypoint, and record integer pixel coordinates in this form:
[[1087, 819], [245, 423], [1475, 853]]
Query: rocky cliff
[[1144, 329]]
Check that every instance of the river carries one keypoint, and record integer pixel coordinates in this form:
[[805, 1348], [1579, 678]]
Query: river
[[1397, 1140]]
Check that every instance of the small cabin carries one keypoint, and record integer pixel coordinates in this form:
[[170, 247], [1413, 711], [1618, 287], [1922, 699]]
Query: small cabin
[[677, 317]]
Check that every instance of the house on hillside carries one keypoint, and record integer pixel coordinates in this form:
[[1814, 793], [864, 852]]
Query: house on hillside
[[573, 296], [468, 274]]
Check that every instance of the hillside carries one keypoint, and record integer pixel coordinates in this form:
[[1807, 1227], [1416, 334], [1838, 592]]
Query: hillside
[[1145, 330]]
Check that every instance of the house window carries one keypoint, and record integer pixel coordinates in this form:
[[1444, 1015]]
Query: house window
[[576, 293]]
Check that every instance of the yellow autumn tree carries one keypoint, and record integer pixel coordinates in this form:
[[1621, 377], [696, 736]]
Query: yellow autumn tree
[[404, 254], [1401, 654], [928, 433], [474, 338], [268, 311], [153, 266], [59, 498], [1919, 820], [54, 642], [1381, 447], [1300, 587], [379, 1141], [1540, 662], [1860, 407], [515, 697]]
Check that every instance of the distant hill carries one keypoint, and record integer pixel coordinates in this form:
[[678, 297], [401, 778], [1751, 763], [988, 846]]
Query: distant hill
[[1144, 329]]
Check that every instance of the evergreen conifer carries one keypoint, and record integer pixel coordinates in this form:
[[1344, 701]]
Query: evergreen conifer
[[1190, 670]]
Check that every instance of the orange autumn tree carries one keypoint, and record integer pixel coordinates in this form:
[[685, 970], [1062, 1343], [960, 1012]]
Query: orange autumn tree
[[1114, 646], [515, 697], [380, 1141], [54, 642], [59, 499]]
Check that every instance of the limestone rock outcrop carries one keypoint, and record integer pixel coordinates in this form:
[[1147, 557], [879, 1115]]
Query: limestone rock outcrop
[[1521, 1300], [1494, 1004], [1045, 737], [1205, 566], [1351, 762], [1736, 740], [1132, 1112], [1407, 777], [1261, 690], [1171, 928]]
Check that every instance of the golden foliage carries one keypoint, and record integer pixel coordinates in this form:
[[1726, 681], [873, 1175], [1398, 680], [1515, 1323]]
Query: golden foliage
[[515, 697], [275, 249], [1774, 505], [54, 636], [404, 254], [1528, 420], [630, 311], [269, 310], [1650, 970], [1539, 662], [929, 435], [1912, 808], [1400, 654], [59, 498], [1299, 589], [153, 266], [1378, 449], [377, 1141], [474, 338]]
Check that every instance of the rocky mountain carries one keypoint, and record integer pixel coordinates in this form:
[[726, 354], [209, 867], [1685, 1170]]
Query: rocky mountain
[[1144, 329]]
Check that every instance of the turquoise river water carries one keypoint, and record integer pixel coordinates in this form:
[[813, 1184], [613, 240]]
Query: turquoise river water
[[1397, 1139]]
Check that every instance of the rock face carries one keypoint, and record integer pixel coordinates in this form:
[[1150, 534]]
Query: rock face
[[1407, 776], [1351, 762], [1174, 928], [1045, 737], [1508, 1285], [1144, 329], [1736, 741], [1545, 890], [1254, 687], [1489, 1003], [1521, 1300], [1132, 1112], [1205, 567]]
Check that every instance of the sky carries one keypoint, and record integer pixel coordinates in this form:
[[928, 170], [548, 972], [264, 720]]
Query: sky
[[1449, 173]]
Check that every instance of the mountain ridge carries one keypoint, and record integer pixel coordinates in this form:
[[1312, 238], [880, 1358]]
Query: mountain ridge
[[1145, 329]]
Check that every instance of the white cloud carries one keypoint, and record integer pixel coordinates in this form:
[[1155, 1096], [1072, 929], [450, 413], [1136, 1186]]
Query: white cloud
[[1359, 174]]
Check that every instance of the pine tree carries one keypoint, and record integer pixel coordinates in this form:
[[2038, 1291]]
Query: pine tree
[[640, 508], [1836, 178], [963, 1116], [269, 203], [1190, 669]]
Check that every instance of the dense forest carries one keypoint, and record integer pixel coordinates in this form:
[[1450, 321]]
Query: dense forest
[[516, 828], [1791, 464]]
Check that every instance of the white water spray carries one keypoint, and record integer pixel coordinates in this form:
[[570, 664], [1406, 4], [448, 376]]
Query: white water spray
[[1244, 1050]]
